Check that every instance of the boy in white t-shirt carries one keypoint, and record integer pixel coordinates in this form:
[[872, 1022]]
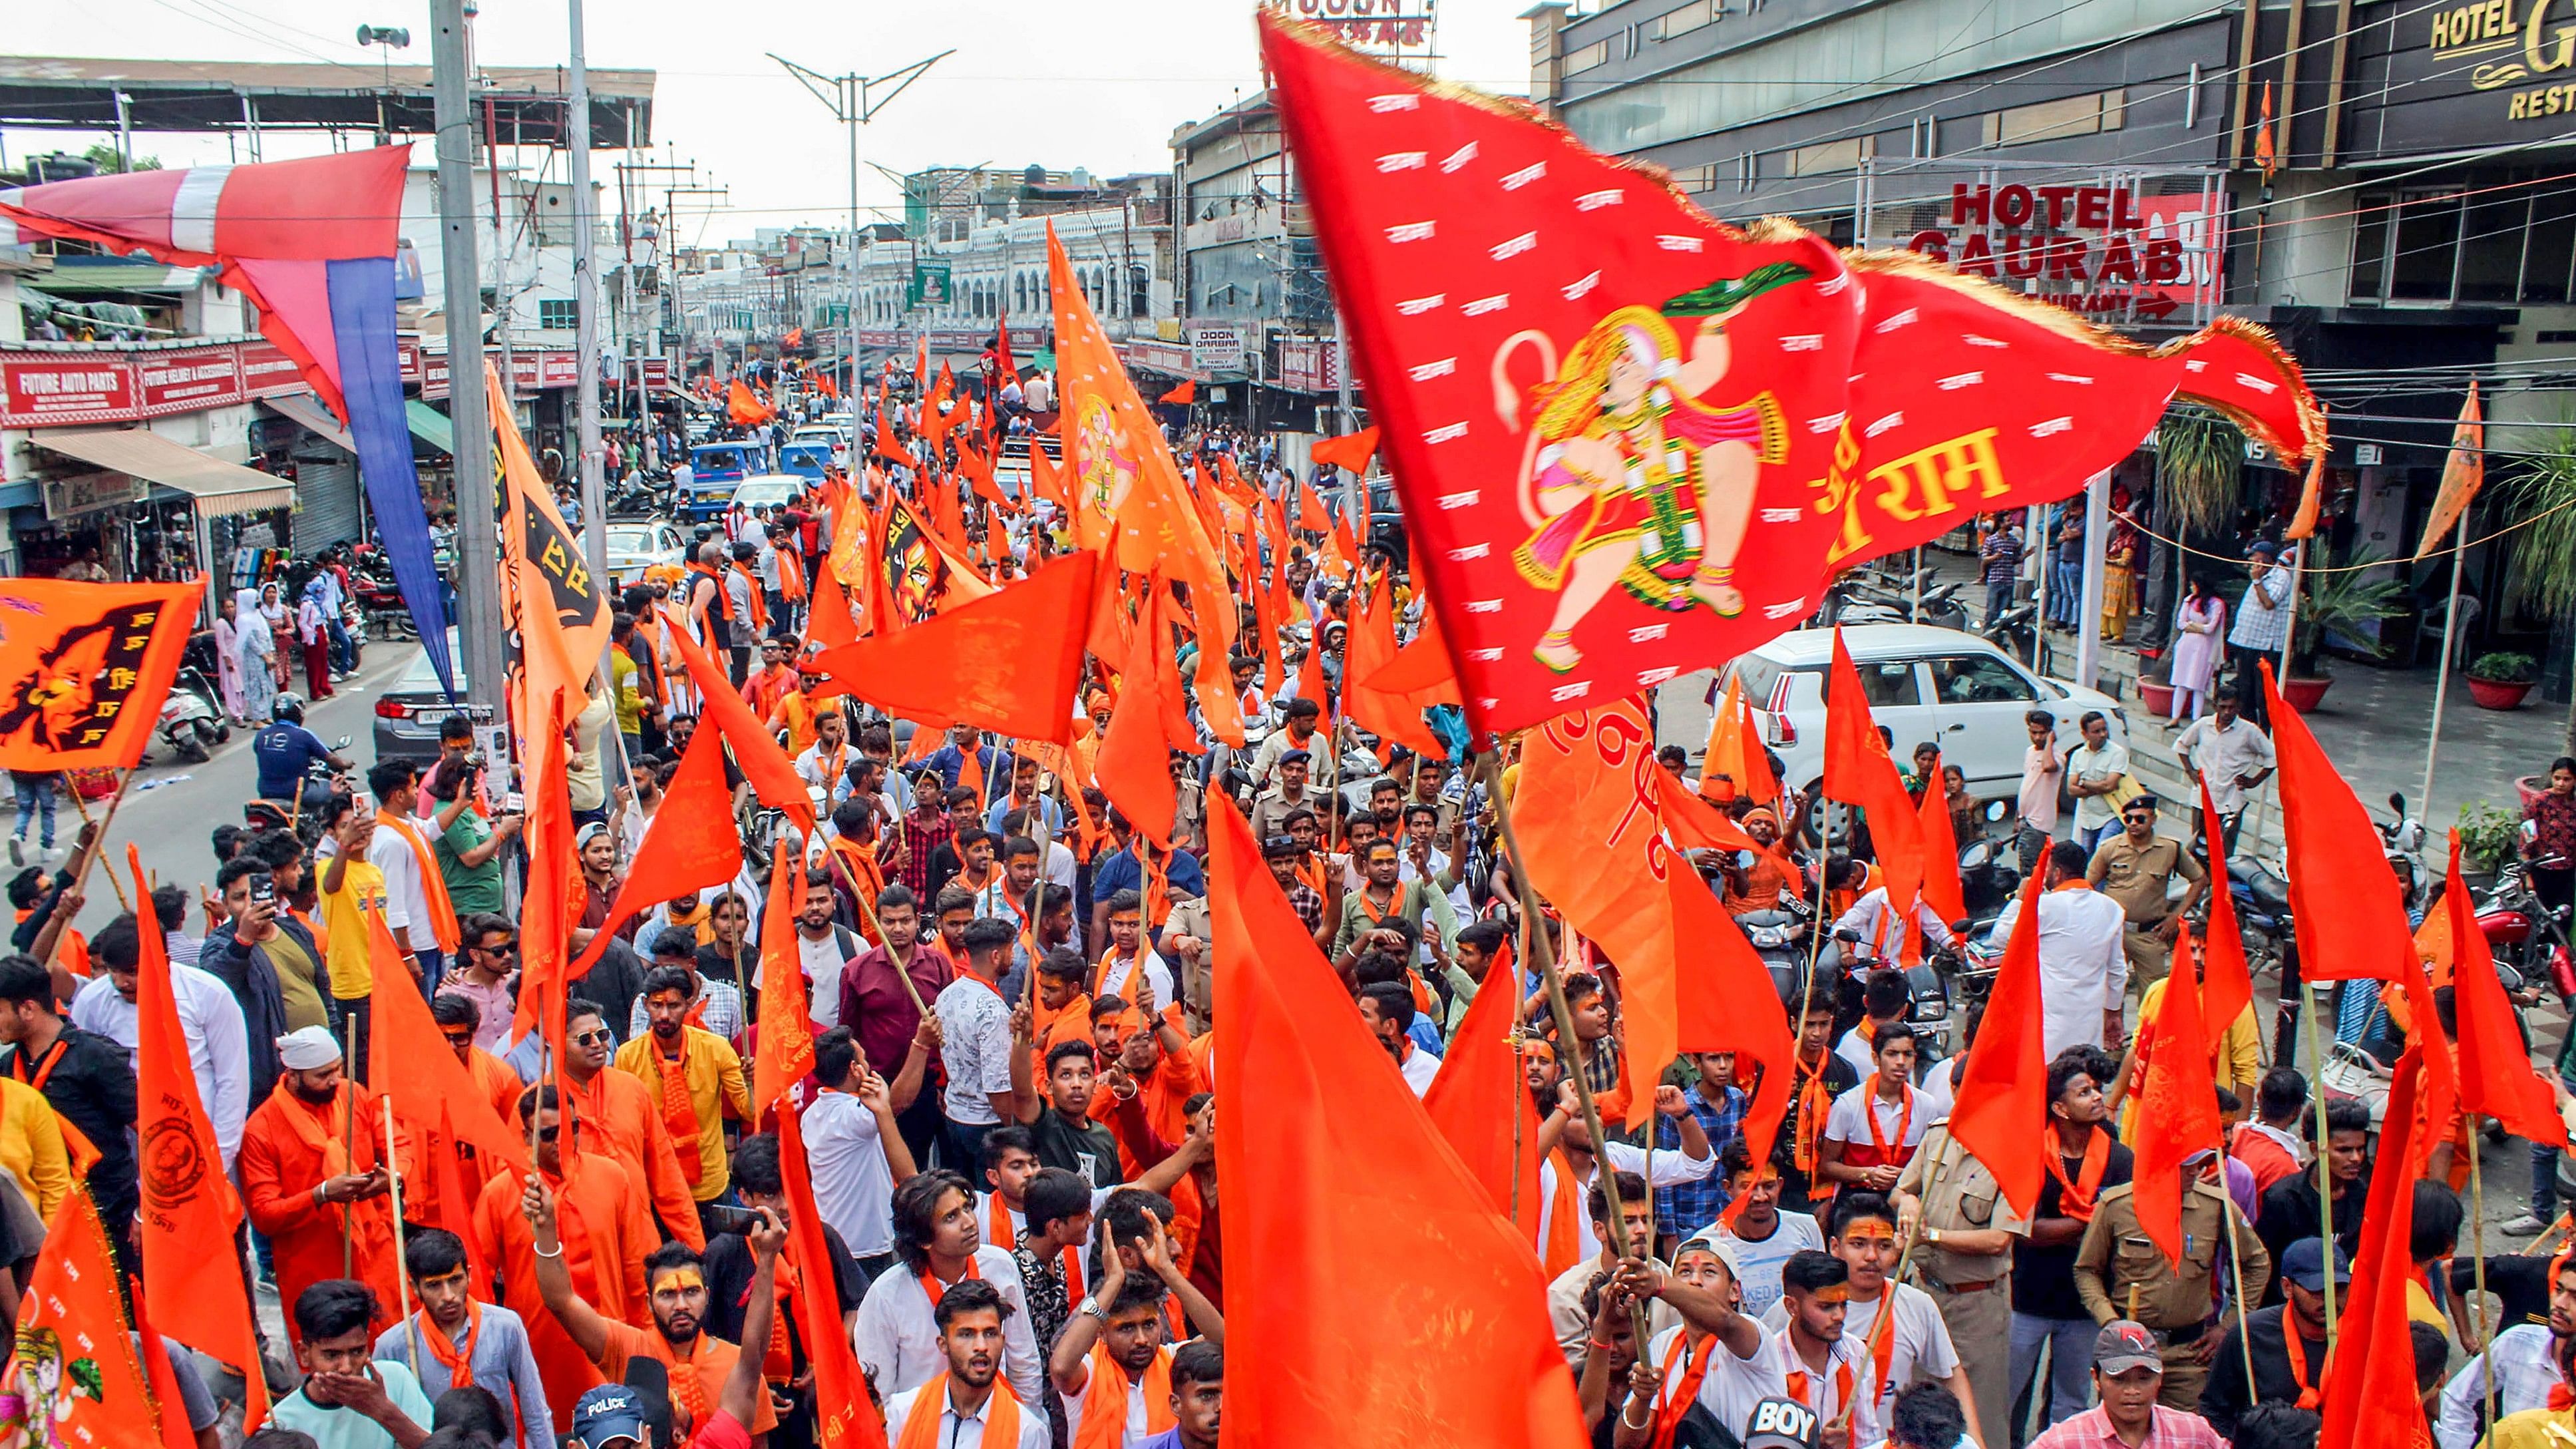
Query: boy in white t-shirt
[[1761, 1237]]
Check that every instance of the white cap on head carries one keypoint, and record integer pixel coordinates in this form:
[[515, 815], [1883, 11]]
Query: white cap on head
[[307, 1049], [1714, 1246]]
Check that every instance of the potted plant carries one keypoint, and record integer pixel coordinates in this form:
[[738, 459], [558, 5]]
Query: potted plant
[[2156, 694], [2500, 680], [2486, 837], [2338, 599]]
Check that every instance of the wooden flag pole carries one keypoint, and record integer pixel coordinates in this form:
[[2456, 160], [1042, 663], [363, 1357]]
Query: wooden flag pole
[[2478, 1222], [402, 1274], [81, 866], [2236, 1268], [348, 1131], [2325, 1177], [114, 883], [1563, 1016]]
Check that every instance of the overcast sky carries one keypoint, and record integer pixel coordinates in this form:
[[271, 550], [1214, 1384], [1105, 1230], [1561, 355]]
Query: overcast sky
[[1062, 83]]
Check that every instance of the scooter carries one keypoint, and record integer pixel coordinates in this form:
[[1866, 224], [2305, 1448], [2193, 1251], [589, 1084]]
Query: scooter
[[192, 724]]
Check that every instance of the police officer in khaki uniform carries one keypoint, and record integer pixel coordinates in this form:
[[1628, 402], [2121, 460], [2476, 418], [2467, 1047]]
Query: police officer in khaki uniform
[[2121, 1273], [1963, 1258], [2136, 867]]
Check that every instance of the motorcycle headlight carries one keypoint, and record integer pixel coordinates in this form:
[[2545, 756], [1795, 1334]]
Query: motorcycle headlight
[[1769, 937]]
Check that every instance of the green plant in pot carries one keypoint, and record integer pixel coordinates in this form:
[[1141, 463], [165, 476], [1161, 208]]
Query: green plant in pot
[[2487, 835], [2500, 680], [2337, 599], [2541, 498]]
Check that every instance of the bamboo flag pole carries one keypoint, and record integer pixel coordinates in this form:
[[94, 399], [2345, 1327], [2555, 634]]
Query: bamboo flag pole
[[2325, 1177], [1563, 1015], [2236, 1270], [87, 858], [348, 1131], [123, 902], [402, 1275], [2478, 1246]]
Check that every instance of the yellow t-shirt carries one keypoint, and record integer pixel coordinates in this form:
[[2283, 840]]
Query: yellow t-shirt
[[2533, 1429], [31, 1146], [348, 944], [2419, 1306]]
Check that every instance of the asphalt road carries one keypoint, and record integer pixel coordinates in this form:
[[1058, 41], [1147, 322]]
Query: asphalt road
[[171, 809]]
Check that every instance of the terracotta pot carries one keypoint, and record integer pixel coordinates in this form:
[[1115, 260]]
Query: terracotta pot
[[2304, 694], [2527, 788], [2498, 693], [2156, 695]]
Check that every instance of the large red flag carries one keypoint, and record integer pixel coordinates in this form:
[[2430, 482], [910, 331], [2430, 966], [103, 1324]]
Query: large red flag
[[85, 668], [2177, 1105], [2350, 914], [692, 845], [1134, 766], [409, 1060], [1859, 771], [1591, 817], [2000, 1111], [2496, 1078], [1369, 648], [756, 753], [786, 1051], [191, 1266], [1481, 1104], [2226, 982], [1941, 888], [74, 1367], [1371, 1252], [843, 1418], [1592, 394], [2369, 1387], [1009, 662]]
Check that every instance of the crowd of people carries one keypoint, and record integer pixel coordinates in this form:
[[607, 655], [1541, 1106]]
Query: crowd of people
[[1009, 1125]]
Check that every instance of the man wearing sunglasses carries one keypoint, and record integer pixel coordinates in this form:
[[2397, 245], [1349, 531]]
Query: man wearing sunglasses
[[488, 958], [2137, 868]]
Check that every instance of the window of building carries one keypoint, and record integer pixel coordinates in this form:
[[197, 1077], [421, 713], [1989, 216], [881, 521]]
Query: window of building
[[1597, 53], [558, 314], [1826, 156], [1685, 20], [2085, 115], [2489, 241]]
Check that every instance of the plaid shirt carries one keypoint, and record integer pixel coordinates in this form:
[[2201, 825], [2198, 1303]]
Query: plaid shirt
[[921, 837], [1688, 1207], [1308, 905], [2167, 1429]]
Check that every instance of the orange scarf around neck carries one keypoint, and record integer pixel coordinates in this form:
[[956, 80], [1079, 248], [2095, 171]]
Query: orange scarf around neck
[[1104, 1400], [930, 1405]]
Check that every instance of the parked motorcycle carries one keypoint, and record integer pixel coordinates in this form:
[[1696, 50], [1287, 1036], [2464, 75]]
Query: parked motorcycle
[[2402, 842], [380, 602], [2527, 937]]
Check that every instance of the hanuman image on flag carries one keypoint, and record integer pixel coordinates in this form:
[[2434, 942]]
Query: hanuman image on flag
[[1635, 474]]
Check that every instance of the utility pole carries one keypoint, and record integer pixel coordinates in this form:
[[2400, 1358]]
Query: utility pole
[[478, 579], [585, 285], [851, 105]]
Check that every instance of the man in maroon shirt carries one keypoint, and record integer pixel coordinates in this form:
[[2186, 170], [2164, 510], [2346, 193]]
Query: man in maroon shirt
[[884, 1016]]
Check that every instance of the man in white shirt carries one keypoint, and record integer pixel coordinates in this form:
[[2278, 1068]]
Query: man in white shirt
[[2083, 972], [2525, 1357], [825, 946], [857, 1155], [1739, 1362], [1565, 1293], [977, 1407], [1693, 1160], [2094, 772], [938, 1240], [1878, 930], [209, 1017], [1917, 1343], [2228, 753], [395, 850], [1762, 1236]]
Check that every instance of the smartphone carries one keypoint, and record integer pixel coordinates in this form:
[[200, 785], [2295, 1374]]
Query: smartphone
[[728, 1219], [513, 802], [263, 890]]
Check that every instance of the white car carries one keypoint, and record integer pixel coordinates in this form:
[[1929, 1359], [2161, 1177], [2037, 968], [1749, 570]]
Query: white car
[[825, 433], [635, 547], [1924, 684], [767, 490]]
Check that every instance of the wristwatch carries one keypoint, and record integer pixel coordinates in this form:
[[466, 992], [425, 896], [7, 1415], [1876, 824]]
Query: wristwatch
[[1091, 1306], [1932, 1235]]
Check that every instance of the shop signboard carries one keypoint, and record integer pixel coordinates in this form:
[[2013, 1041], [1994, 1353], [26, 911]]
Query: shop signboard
[[2104, 249], [559, 369], [266, 371], [433, 374], [85, 492], [657, 373], [1215, 346], [63, 389], [1309, 366], [188, 380], [2462, 75], [410, 360], [929, 285], [1165, 357]]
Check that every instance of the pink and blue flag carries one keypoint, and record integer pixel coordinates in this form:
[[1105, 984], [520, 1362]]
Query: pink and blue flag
[[312, 244]]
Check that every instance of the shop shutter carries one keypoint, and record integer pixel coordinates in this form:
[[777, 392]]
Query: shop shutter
[[326, 505]]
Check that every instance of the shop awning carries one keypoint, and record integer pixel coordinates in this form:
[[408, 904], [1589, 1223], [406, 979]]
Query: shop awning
[[431, 426], [220, 488], [307, 411]]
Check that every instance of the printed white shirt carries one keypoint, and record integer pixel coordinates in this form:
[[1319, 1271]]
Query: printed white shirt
[[2524, 1375], [976, 1050], [853, 1186]]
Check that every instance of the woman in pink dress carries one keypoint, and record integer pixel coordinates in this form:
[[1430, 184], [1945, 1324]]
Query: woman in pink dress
[[2200, 634]]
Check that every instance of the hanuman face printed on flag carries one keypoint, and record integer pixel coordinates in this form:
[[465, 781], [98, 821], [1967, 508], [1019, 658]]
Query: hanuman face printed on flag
[[43, 1391], [1642, 464], [1104, 464]]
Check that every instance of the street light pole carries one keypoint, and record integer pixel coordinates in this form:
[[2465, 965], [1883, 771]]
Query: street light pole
[[478, 579], [585, 277], [851, 105]]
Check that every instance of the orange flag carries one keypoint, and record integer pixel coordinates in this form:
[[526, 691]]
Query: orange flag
[[562, 617], [89, 1387], [1422, 669], [1046, 476], [887, 447], [1185, 394], [786, 1050], [744, 407], [1312, 516], [1479, 1093], [1859, 771], [2000, 1112], [1009, 662], [1350, 452], [1311, 680], [755, 750], [91, 664], [1941, 888], [843, 1418], [2369, 1387], [2342, 895], [409, 1060], [1591, 821], [693, 847], [2464, 472], [2226, 983], [1371, 647], [1348, 1213], [829, 623], [185, 1229], [2495, 1072], [554, 891], [1134, 767], [2177, 1104], [1735, 752]]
